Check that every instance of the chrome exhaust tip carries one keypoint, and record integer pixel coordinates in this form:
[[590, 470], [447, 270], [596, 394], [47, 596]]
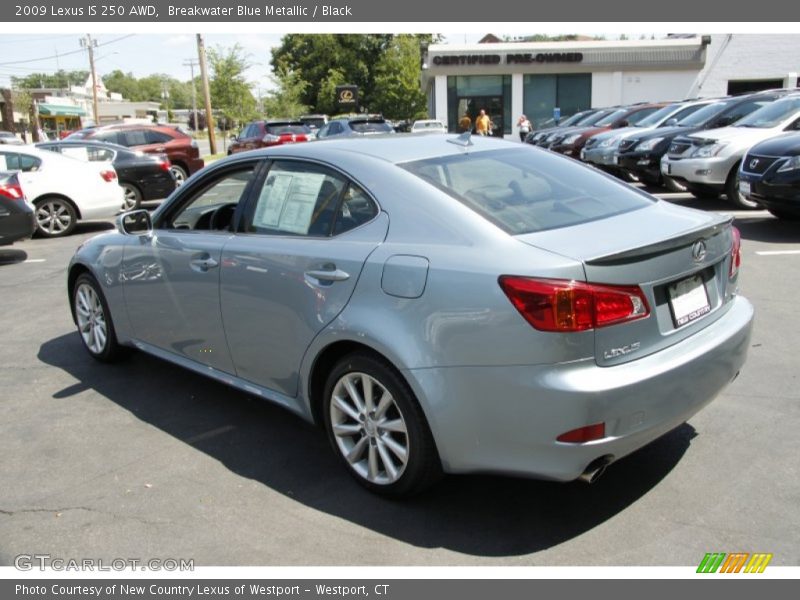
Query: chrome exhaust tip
[[595, 469]]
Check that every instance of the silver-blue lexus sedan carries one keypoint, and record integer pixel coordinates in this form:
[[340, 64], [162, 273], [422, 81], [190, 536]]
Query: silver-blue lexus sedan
[[437, 304]]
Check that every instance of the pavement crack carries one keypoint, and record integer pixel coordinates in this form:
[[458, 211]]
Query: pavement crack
[[57, 511]]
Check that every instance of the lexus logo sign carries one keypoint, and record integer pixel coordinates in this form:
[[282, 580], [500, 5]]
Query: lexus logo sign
[[754, 163], [347, 97]]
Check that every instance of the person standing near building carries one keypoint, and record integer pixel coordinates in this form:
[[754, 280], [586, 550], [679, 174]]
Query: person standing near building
[[465, 123], [483, 124], [524, 127]]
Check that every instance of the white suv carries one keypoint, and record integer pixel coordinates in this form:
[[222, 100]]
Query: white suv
[[708, 161]]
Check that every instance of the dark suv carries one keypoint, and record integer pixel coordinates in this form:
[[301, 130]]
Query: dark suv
[[263, 134], [180, 148]]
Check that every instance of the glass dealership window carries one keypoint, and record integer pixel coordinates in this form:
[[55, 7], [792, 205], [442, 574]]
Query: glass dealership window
[[475, 92], [541, 93]]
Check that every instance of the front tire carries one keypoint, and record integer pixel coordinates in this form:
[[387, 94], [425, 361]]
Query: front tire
[[673, 185], [55, 217], [93, 318], [377, 428], [735, 196]]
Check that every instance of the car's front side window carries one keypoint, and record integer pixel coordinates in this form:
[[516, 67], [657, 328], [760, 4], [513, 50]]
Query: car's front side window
[[213, 205]]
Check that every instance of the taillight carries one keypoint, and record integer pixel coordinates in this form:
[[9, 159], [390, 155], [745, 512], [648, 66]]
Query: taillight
[[561, 305], [271, 140], [736, 253], [12, 191], [165, 165], [108, 175]]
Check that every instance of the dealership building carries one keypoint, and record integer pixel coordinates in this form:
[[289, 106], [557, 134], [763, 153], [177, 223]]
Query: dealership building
[[546, 79]]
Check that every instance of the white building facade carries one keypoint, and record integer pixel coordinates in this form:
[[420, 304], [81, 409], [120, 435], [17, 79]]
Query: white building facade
[[536, 79]]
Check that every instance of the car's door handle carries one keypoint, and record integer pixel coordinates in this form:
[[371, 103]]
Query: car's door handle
[[203, 264], [328, 275], [161, 149]]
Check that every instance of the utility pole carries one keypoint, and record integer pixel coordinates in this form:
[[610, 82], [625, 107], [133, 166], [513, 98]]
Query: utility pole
[[191, 63], [90, 44], [201, 55]]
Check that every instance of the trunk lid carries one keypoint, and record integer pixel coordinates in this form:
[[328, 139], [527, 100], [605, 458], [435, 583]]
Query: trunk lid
[[679, 257]]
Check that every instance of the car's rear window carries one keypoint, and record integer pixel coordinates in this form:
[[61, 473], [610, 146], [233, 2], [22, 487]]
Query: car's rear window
[[370, 126], [525, 190], [284, 129]]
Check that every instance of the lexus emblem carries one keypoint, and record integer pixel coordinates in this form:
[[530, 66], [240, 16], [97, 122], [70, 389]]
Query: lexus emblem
[[699, 251], [754, 163]]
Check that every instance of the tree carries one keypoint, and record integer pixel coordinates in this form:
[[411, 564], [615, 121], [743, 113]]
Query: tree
[[397, 80], [60, 79], [230, 92], [287, 99]]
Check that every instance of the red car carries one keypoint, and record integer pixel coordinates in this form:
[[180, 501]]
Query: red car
[[263, 134], [180, 148]]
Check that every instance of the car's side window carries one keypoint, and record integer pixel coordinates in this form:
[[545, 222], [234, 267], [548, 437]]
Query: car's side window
[[19, 162], [96, 154], [323, 132], [355, 209], [113, 137], [134, 137], [156, 137], [213, 206], [297, 199], [335, 128]]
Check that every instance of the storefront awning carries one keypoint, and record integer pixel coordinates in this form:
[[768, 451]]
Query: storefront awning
[[56, 110]]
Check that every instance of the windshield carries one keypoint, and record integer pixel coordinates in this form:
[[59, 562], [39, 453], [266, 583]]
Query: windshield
[[705, 114], [370, 126], [608, 120], [523, 190], [771, 115], [658, 116]]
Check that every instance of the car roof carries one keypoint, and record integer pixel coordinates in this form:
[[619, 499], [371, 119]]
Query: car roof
[[392, 148], [88, 142]]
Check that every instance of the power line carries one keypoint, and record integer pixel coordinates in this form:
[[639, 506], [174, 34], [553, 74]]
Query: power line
[[30, 60]]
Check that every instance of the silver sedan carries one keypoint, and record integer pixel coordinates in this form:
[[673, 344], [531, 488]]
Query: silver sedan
[[438, 304]]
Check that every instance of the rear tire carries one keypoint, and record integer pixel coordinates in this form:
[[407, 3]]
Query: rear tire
[[377, 428], [55, 217], [93, 319], [736, 197], [180, 174]]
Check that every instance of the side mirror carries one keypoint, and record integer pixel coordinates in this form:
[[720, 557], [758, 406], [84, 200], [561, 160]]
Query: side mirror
[[136, 222], [623, 123], [671, 122]]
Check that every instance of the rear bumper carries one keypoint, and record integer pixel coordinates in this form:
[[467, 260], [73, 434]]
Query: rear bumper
[[507, 419]]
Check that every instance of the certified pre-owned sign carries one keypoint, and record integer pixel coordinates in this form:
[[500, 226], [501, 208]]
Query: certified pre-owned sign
[[347, 97]]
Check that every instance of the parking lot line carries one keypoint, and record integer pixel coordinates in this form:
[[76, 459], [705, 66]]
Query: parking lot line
[[777, 252], [35, 260]]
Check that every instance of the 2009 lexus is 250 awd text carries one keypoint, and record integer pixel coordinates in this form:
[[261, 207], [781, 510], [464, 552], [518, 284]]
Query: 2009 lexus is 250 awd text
[[437, 304]]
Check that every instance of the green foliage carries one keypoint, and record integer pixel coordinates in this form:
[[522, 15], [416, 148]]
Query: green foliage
[[397, 80], [150, 89], [230, 92], [327, 60], [287, 99], [60, 79]]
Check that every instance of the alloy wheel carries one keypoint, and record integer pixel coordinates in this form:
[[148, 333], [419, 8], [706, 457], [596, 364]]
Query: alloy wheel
[[91, 318], [54, 217], [369, 429]]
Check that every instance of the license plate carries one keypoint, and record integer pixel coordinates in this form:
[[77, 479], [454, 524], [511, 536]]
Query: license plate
[[688, 300], [744, 188], [615, 160], [665, 168]]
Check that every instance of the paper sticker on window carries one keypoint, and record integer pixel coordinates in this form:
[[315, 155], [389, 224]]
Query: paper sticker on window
[[287, 201]]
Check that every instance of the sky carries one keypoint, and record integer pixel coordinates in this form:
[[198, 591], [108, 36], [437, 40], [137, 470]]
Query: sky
[[143, 54]]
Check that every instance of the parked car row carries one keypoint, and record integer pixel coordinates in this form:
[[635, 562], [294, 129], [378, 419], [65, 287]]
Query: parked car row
[[708, 147]]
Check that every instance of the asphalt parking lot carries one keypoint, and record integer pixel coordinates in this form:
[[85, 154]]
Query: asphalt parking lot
[[145, 460]]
